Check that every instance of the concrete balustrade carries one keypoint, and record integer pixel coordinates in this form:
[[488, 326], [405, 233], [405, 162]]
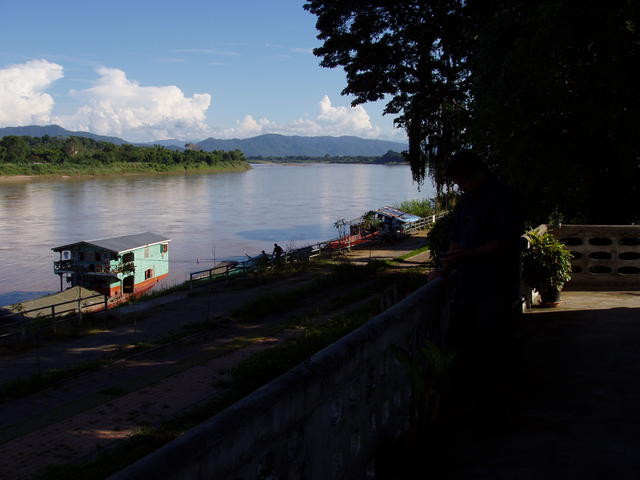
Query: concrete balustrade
[[322, 420], [605, 256]]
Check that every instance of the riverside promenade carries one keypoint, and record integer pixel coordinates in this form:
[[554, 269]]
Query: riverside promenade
[[573, 400], [83, 415]]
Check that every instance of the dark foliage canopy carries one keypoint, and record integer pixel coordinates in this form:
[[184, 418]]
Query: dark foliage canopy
[[547, 91]]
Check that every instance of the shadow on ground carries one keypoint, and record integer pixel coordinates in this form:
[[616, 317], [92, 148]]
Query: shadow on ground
[[570, 404]]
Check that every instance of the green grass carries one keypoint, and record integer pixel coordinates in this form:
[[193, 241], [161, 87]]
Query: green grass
[[277, 302], [42, 331], [413, 253], [48, 378], [420, 207], [272, 303], [117, 168], [264, 366]]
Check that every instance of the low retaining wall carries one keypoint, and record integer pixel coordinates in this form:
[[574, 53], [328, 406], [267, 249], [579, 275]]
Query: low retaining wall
[[605, 256], [322, 420]]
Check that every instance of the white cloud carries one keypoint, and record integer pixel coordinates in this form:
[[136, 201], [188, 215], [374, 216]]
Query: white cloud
[[346, 119], [330, 120], [115, 105], [306, 51], [22, 97]]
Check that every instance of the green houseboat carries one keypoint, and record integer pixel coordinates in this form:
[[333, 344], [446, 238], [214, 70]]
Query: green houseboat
[[118, 267]]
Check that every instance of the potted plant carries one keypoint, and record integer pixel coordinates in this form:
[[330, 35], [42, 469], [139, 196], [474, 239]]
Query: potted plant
[[546, 266]]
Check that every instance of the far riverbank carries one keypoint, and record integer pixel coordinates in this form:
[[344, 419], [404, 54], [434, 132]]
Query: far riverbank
[[133, 171]]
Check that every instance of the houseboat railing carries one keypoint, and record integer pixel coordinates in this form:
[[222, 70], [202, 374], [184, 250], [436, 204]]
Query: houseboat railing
[[423, 222], [64, 266]]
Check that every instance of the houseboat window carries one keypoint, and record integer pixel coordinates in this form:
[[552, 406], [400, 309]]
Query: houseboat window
[[146, 252], [127, 257], [148, 273], [164, 247], [81, 256], [106, 257], [97, 256]]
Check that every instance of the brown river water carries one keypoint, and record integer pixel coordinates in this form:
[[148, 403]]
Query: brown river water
[[207, 217]]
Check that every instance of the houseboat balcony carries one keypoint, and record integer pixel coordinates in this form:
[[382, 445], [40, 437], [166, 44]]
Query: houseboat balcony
[[63, 266], [68, 266]]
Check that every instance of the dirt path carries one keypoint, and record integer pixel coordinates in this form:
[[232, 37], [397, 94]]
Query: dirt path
[[81, 416]]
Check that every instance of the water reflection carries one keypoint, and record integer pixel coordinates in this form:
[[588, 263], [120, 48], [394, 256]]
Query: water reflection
[[299, 233], [206, 216]]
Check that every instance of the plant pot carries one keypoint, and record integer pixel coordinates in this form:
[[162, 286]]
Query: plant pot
[[550, 297]]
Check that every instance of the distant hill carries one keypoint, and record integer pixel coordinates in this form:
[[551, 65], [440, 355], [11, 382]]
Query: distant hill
[[56, 131], [273, 145], [269, 145]]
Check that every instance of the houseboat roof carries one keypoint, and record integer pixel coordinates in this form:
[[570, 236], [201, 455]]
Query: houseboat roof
[[120, 244], [398, 214]]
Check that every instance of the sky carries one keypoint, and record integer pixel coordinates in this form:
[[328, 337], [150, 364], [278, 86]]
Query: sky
[[154, 70]]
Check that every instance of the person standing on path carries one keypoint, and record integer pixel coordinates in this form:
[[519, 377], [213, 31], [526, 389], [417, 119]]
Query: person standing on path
[[482, 268], [277, 253]]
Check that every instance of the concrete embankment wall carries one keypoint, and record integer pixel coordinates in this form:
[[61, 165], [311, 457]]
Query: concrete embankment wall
[[322, 420]]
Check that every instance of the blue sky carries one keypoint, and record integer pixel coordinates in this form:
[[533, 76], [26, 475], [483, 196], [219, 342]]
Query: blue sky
[[145, 70]]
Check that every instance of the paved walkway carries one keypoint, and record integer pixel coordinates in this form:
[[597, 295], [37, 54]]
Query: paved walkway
[[573, 402]]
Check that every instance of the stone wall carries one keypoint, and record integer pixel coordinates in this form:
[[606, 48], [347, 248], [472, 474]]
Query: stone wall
[[605, 256], [322, 420]]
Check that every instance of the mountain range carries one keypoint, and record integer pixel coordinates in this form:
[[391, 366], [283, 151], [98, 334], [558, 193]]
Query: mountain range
[[268, 145], [55, 131], [273, 145]]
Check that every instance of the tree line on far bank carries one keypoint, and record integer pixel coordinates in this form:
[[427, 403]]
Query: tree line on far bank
[[24, 155], [388, 158]]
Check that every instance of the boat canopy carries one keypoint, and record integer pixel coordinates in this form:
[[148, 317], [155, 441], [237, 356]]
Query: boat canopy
[[399, 215]]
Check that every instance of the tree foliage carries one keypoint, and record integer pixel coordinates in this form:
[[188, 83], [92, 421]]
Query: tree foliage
[[34, 155], [546, 91], [390, 157], [410, 52]]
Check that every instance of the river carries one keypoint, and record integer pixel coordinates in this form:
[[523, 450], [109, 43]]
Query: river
[[206, 216]]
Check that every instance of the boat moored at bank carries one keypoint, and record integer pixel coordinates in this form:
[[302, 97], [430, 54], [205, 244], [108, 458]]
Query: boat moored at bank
[[117, 267]]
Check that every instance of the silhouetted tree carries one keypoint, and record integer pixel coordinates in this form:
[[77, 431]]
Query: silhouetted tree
[[410, 52], [546, 90]]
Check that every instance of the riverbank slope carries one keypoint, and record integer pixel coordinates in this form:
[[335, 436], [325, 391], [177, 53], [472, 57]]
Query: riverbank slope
[[177, 355]]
